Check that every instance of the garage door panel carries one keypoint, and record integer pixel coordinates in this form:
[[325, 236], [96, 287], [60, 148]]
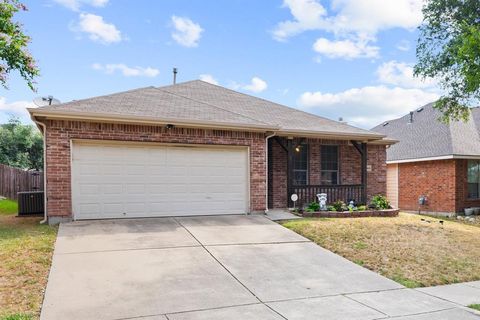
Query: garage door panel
[[142, 181]]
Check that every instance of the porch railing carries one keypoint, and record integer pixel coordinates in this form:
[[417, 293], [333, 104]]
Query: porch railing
[[308, 193]]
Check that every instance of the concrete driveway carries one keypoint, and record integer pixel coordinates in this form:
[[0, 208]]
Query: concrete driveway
[[228, 267]]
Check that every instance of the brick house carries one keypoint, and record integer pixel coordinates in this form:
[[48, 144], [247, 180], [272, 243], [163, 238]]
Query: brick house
[[198, 149], [432, 159]]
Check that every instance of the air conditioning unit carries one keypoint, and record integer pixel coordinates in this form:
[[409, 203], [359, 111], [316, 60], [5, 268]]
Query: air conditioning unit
[[30, 202]]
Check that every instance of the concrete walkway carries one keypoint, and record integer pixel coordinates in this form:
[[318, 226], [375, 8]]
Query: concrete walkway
[[229, 267], [463, 294]]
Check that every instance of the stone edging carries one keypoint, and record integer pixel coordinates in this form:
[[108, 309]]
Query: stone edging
[[353, 214]]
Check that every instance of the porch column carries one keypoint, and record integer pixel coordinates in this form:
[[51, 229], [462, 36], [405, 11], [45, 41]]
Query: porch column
[[289, 170], [362, 149]]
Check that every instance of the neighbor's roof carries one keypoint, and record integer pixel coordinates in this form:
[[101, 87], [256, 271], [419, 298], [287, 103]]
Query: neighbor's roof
[[426, 137], [198, 103]]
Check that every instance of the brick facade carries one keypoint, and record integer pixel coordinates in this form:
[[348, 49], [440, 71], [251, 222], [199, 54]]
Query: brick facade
[[60, 133], [350, 168], [444, 182]]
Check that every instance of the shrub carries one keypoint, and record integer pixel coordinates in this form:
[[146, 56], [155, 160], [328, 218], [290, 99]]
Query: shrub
[[362, 208], [380, 202], [339, 206], [313, 207]]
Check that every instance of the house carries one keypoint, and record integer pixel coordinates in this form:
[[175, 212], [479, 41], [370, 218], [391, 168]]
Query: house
[[435, 160], [198, 149]]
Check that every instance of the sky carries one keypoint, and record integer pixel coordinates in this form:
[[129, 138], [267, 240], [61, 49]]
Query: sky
[[339, 58]]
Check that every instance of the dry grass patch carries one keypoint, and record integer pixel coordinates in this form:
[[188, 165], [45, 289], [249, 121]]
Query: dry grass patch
[[26, 249], [405, 249]]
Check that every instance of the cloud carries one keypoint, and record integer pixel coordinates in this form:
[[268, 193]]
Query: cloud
[[208, 78], [366, 17], [257, 85], [187, 33], [126, 70], [403, 45], [354, 24], [346, 49], [76, 4], [401, 74], [16, 109], [307, 14], [97, 29], [366, 106]]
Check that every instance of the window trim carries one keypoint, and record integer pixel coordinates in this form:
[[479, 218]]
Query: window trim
[[307, 170], [338, 164], [477, 162]]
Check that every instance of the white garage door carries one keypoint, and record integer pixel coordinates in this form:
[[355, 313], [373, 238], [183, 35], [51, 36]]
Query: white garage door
[[142, 180]]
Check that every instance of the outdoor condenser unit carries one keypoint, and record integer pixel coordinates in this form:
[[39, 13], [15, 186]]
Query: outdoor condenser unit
[[30, 202]]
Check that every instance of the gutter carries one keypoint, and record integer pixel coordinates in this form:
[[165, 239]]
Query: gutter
[[45, 209], [266, 169]]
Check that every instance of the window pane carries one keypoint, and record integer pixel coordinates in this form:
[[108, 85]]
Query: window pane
[[473, 179], [299, 177], [329, 177], [300, 165], [329, 165]]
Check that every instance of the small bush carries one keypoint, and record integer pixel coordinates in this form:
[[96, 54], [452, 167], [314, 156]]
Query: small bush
[[339, 206], [380, 202], [313, 207], [362, 208], [331, 208]]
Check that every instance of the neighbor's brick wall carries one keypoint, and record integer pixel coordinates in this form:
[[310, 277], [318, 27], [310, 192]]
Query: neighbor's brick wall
[[60, 133], [350, 168], [434, 179]]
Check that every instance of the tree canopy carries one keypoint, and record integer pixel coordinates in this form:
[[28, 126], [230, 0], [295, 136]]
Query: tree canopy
[[448, 49], [21, 145], [14, 54]]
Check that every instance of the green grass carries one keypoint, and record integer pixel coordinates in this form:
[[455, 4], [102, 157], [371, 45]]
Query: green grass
[[475, 306], [8, 207], [17, 316], [26, 249]]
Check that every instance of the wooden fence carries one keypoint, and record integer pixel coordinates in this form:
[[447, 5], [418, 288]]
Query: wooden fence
[[13, 180]]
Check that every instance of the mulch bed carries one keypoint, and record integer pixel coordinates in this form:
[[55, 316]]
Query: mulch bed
[[352, 214]]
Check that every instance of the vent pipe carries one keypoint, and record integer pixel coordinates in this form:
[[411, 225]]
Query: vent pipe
[[411, 117], [175, 75]]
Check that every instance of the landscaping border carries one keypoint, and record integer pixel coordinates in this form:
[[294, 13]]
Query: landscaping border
[[352, 214]]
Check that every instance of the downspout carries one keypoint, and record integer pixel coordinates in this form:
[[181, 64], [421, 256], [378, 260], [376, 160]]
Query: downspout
[[266, 170], [41, 124]]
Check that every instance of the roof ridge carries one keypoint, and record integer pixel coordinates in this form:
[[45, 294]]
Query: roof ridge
[[209, 104], [278, 104]]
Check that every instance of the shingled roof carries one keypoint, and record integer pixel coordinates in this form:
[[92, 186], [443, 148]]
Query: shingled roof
[[426, 137], [201, 103]]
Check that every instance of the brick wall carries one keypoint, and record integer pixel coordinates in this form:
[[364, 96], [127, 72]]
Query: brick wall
[[60, 133], [350, 168], [434, 179], [461, 182]]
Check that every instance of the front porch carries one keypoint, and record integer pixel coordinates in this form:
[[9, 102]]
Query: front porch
[[343, 169]]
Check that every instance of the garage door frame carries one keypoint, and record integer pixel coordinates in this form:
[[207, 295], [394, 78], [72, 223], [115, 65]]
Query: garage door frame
[[74, 142]]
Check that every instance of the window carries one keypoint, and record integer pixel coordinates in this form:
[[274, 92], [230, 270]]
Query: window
[[473, 179], [300, 165], [329, 165]]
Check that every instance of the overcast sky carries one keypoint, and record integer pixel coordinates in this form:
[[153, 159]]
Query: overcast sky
[[339, 58]]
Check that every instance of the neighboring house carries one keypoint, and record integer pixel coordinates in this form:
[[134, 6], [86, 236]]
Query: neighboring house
[[198, 149], [433, 159]]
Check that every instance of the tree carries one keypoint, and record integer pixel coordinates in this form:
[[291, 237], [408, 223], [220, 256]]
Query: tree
[[13, 45], [21, 145], [448, 49]]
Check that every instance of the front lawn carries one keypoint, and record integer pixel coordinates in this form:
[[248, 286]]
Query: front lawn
[[406, 249], [26, 249]]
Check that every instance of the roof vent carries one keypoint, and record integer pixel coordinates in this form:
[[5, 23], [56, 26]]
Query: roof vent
[[385, 124], [420, 109], [411, 117]]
